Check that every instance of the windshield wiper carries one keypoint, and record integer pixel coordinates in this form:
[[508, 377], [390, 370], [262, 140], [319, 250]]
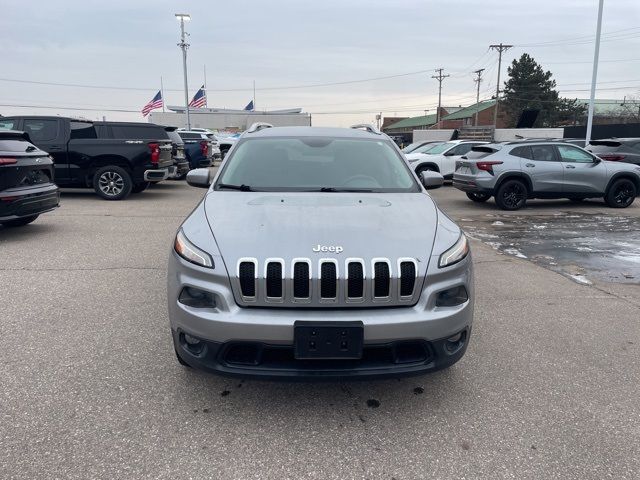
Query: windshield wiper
[[242, 188], [338, 189]]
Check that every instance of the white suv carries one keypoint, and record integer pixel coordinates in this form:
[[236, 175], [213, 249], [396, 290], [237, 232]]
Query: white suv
[[441, 158]]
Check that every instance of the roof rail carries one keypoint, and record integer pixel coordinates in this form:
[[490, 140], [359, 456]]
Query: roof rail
[[258, 126], [368, 127]]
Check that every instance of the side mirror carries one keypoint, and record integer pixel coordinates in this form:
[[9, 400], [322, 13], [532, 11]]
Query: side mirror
[[199, 177], [431, 179], [596, 160]]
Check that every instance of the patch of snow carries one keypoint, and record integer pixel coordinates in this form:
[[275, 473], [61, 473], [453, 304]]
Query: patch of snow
[[581, 279]]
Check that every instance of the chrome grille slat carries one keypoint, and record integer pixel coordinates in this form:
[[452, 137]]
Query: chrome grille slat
[[379, 282]]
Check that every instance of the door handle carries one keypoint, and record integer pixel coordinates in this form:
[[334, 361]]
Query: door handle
[[569, 166], [530, 165]]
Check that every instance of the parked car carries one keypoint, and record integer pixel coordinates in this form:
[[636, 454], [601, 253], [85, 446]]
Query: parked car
[[113, 158], [617, 149], [412, 147], [180, 161], [516, 171], [198, 148], [442, 157], [338, 298], [27, 187], [225, 142]]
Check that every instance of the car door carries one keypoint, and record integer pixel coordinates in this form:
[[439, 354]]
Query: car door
[[543, 168], [583, 173], [49, 134]]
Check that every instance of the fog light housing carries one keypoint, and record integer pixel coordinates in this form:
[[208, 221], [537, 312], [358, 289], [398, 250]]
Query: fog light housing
[[455, 342], [196, 298], [192, 344], [452, 297]]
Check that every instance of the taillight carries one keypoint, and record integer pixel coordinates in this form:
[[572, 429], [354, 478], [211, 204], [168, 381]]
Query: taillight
[[487, 166], [204, 148], [611, 157], [155, 153], [8, 160]]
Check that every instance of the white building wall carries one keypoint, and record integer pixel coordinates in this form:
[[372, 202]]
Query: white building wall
[[226, 120]]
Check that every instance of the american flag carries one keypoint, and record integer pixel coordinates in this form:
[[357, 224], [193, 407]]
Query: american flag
[[199, 99], [156, 102]]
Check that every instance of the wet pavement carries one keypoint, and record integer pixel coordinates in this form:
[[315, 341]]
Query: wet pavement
[[582, 246]]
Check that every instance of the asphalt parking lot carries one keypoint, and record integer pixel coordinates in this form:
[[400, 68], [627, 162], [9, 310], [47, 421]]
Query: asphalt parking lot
[[548, 388]]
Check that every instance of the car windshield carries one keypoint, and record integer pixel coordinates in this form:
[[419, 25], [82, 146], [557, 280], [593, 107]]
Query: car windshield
[[426, 148], [439, 148], [316, 164], [411, 147]]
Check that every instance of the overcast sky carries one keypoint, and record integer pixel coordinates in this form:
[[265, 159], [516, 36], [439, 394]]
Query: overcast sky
[[129, 45]]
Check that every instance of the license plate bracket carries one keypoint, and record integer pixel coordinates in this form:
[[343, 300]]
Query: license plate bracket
[[328, 340]]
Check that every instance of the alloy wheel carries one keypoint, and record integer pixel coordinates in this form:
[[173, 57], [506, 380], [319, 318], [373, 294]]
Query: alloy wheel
[[111, 183], [514, 195]]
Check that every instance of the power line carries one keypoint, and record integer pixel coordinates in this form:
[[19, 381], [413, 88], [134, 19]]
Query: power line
[[584, 38]]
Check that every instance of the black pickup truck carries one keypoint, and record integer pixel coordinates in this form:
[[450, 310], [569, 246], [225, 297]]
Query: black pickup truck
[[114, 160]]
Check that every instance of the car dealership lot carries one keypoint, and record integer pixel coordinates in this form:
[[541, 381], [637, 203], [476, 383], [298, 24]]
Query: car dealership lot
[[91, 388]]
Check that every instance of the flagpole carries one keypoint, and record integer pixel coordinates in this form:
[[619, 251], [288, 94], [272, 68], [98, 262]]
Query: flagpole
[[162, 92], [254, 95], [205, 86]]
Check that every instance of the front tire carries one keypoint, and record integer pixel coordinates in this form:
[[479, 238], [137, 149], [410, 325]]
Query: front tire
[[19, 222], [512, 195], [478, 197], [112, 183], [621, 193]]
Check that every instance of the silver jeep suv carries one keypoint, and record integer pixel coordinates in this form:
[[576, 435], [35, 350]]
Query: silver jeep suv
[[513, 172], [316, 252]]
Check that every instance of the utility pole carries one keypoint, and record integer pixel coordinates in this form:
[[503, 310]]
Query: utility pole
[[439, 77], [500, 48], [478, 80], [184, 46], [594, 76]]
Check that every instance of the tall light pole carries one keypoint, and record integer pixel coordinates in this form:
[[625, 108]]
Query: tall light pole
[[184, 17], [594, 76]]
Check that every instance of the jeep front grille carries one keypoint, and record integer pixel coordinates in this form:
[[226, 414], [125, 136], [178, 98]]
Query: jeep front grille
[[328, 282]]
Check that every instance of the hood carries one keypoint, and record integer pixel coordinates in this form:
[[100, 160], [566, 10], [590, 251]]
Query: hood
[[291, 225]]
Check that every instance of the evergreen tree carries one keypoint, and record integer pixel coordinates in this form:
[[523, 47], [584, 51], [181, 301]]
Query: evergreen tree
[[530, 87]]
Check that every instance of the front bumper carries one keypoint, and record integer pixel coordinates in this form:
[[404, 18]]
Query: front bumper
[[156, 175], [24, 202], [272, 329], [262, 360]]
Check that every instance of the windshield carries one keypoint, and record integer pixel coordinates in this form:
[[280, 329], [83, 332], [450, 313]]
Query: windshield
[[411, 147], [439, 148], [316, 164], [427, 147]]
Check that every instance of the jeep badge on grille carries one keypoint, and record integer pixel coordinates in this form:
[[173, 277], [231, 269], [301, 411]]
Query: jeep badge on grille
[[325, 248]]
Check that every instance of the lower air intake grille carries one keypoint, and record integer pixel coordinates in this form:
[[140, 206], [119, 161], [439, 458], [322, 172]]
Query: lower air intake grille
[[407, 278], [328, 280], [381, 284], [355, 284], [247, 274], [301, 280], [274, 280]]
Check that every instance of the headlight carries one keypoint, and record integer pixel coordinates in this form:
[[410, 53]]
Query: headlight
[[190, 252], [456, 253]]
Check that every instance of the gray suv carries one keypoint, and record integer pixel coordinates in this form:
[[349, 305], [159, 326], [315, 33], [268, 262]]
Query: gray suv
[[316, 252], [516, 171]]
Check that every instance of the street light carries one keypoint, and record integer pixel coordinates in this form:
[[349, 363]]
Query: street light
[[184, 17]]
